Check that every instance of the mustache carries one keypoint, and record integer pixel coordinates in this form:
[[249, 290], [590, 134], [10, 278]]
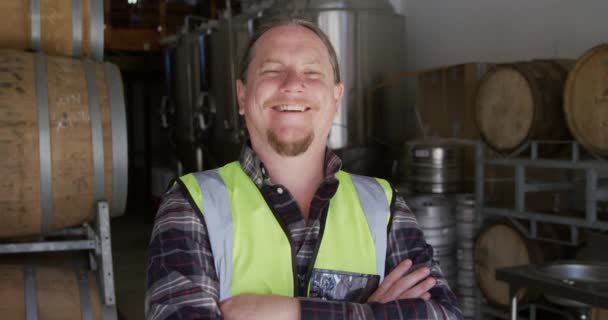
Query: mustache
[[292, 102]]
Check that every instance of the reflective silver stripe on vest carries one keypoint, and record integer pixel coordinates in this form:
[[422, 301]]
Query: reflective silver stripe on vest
[[219, 226], [376, 207]]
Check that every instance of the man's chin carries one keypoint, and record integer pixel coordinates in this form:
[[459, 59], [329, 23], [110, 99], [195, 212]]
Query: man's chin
[[292, 148]]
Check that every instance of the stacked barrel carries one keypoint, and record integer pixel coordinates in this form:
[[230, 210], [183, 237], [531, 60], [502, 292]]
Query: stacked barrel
[[63, 145], [546, 100]]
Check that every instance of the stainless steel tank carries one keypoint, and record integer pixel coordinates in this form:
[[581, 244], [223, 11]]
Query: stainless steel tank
[[369, 39], [226, 45], [187, 57], [200, 66]]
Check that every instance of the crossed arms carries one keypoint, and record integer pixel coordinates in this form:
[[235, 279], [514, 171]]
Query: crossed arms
[[182, 282]]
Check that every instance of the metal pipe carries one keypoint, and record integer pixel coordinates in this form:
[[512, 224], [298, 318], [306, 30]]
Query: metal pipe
[[590, 200], [548, 186], [514, 305], [69, 232], [542, 217], [235, 115], [47, 246], [520, 195], [554, 164]]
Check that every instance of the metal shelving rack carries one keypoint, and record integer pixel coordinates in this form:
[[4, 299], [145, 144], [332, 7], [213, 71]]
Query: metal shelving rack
[[594, 191], [525, 157], [96, 240]]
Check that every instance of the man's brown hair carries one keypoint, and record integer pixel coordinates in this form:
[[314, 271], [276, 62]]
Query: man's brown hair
[[287, 21]]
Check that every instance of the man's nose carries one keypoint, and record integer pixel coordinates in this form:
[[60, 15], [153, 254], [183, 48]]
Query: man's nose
[[293, 82]]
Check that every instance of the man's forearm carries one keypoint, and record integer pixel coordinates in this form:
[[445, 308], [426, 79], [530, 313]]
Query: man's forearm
[[435, 308], [263, 307], [252, 306]]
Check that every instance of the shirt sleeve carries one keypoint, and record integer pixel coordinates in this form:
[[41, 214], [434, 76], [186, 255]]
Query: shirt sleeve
[[405, 241], [181, 279]]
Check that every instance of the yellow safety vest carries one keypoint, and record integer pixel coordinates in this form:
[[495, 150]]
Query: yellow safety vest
[[251, 250]]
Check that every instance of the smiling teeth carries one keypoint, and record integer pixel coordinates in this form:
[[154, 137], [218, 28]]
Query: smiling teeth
[[292, 108]]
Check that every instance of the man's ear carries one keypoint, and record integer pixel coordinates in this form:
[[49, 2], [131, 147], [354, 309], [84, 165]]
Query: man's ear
[[338, 93], [241, 93]]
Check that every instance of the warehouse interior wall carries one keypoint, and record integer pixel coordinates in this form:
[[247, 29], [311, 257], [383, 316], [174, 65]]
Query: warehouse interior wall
[[442, 33]]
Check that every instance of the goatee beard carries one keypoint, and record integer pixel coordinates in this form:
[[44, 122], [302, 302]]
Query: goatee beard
[[289, 149]]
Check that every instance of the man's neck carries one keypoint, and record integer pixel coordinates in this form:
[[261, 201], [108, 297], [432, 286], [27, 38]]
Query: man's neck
[[301, 175]]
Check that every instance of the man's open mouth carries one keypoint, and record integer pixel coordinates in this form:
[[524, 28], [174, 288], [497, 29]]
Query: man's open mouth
[[291, 108]]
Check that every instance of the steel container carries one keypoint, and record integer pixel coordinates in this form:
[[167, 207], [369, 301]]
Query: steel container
[[434, 166]]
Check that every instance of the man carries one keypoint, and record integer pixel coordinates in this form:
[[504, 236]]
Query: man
[[283, 233]]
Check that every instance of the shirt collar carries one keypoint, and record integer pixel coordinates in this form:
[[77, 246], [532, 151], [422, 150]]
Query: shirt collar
[[254, 167]]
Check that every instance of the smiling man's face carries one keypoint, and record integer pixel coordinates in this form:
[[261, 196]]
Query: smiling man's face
[[290, 97]]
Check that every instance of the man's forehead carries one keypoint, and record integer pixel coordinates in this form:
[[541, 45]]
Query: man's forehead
[[290, 35]]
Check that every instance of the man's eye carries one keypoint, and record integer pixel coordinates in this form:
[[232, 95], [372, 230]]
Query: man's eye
[[270, 71], [313, 73]]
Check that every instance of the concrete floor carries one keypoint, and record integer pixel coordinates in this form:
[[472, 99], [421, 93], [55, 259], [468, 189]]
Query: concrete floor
[[130, 237]]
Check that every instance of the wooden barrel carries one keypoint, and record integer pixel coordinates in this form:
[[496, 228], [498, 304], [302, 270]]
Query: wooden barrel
[[50, 287], [522, 101], [62, 142], [586, 100], [500, 245], [57, 27]]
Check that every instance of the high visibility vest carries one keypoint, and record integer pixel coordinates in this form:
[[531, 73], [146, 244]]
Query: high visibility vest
[[251, 250]]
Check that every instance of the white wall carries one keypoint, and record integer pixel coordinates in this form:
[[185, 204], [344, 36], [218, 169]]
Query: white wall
[[443, 32]]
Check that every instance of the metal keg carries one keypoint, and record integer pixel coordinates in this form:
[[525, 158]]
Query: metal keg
[[438, 224], [466, 278], [464, 257], [464, 208], [434, 166], [435, 218], [465, 291], [468, 306]]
